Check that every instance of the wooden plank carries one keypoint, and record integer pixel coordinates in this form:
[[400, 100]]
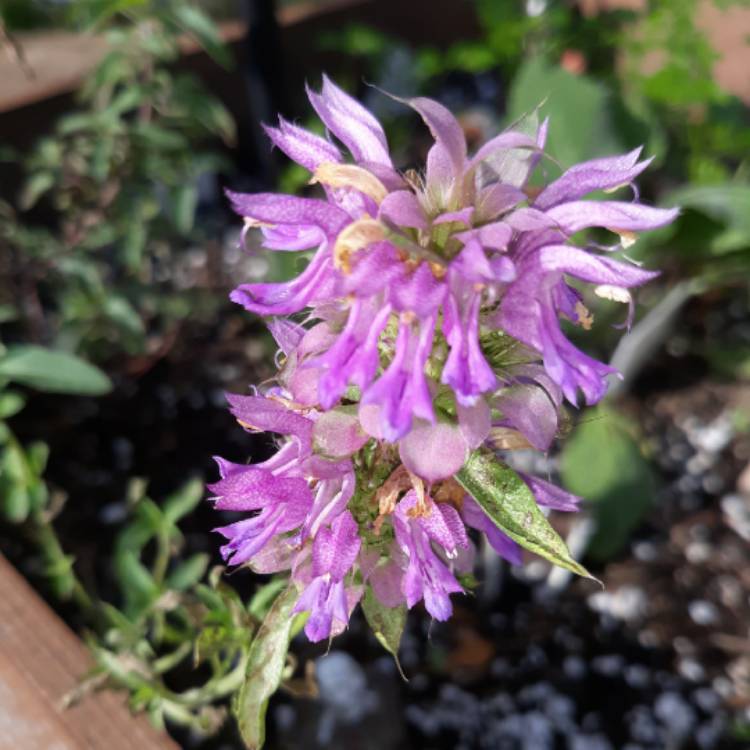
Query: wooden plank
[[41, 661], [60, 60], [55, 62]]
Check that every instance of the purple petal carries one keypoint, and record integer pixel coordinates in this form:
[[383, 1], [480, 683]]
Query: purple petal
[[291, 238], [474, 422], [475, 517], [418, 292], [338, 434], [496, 199], [529, 409], [286, 333], [440, 172], [568, 366], [445, 129], [597, 174], [451, 521], [502, 142], [631, 217], [495, 236], [354, 355], [592, 268], [250, 488], [472, 264], [267, 415], [351, 123], [332, 495], [403, 209], [531, 373], [433, 452], [529, 220], [272, 208], [374, 270], [336, 548], [402, 391], [302, 146], [466, 370], [463, 216], [277, 555], [292, 296], [387, 581], [550, 496]]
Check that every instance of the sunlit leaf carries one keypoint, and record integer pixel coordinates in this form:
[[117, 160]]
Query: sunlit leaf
[[510, 504], [578, 106]]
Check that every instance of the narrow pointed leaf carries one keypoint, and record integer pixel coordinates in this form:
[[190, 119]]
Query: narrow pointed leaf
[[387, 623], [510, 504], [265, 665]]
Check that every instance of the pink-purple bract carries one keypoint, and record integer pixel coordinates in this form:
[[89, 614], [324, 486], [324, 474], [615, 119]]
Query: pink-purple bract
[[426, 325]]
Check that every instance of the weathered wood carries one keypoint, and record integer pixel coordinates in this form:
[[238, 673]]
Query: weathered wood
[[59, 60], [42, 661]]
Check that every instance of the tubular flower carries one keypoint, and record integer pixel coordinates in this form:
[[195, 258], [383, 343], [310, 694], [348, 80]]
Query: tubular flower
[[426, 342]]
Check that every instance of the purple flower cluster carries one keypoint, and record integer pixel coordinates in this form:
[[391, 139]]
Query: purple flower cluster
[[428, 324]]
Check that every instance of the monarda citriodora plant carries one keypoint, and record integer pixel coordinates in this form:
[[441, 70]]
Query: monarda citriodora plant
[[422, 339]]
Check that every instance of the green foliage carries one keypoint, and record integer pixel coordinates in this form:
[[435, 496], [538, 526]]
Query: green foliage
[[510, 504], [52, 371], [172, 613], [604, 464], [725, 204], [387, 623], [121, 174], [265, 667], [579, 108]]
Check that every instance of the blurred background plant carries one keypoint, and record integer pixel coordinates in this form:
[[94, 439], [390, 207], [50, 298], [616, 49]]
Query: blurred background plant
[[121, 176], [115, 251]]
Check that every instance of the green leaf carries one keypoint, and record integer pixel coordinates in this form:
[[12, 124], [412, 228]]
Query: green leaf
[[16, 503], [8, 313], [53, 371], [10, 403], [37, 454], [578, 107], [200, 26], [508, 501], [264, 597], [387, 623], [265, 665], [184, 201], [726, 204], [36, 186], [183, 501], [601, 462], [188, 573], [138, 585], [134, 243]]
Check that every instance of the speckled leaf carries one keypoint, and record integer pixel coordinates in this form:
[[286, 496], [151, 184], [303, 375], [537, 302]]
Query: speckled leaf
[[387, 623], [508, 501], [265, 666]]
